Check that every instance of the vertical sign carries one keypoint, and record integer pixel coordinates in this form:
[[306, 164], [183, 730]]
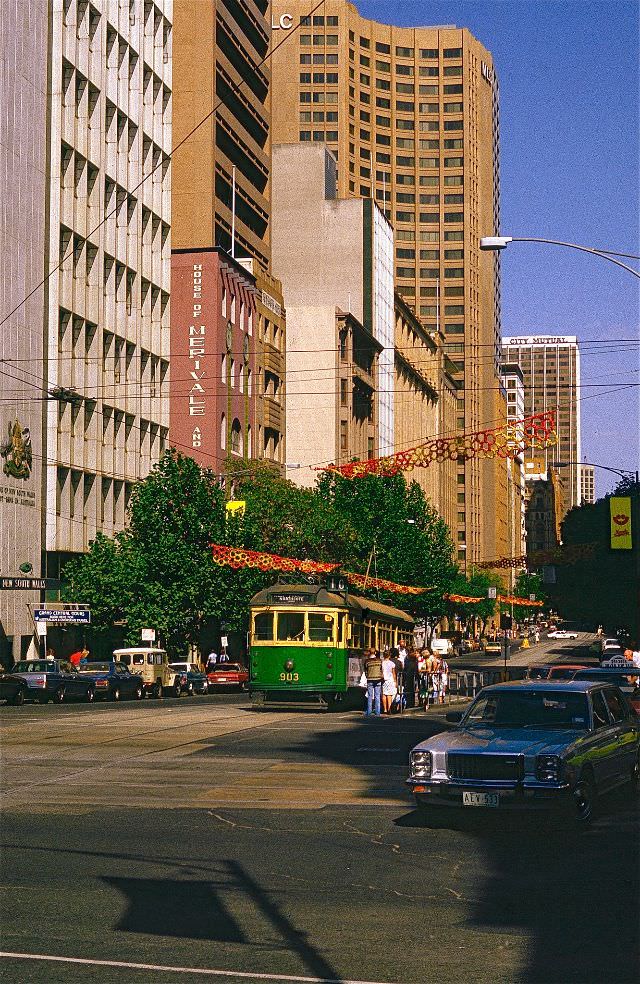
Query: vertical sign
[[620, 512], [192, 410]]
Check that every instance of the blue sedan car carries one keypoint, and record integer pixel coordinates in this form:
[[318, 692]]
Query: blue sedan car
[[531, 743], [112, 681]]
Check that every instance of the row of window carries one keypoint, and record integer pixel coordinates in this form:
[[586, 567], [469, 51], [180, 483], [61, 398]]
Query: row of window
[[403, 52]]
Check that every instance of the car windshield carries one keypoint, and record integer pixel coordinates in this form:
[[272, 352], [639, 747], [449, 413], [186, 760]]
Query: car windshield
[[529, 709], [538, 672], [33, 666], [561, 673], [184, 667]]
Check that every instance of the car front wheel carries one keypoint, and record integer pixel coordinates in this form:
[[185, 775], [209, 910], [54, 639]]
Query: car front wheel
[[157, 690], [90, 695], [18, 698], [138, 693], [58, 696], [585, 800], [115, 693]]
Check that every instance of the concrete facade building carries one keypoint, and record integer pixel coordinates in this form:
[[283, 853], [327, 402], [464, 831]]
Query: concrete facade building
[[587, 484], [23, 231], [331, 257], [100, 322], [412, 116], [551, 369]]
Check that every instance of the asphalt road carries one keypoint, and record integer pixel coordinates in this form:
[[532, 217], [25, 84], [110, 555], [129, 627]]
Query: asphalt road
[[200, 834]]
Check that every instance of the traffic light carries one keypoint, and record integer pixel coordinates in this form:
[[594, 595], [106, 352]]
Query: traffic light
[[505, 620]]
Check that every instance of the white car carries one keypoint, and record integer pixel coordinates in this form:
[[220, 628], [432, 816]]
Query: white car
[[562, 634]]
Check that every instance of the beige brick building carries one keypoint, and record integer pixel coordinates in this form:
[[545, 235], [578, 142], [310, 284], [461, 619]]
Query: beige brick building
[[412, 116]]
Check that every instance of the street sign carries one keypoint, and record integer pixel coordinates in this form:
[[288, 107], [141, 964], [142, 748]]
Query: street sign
[[224, 642], [615, 662], [532, 597], [29, 584], [62, 616], [492, 593], [148, 635]]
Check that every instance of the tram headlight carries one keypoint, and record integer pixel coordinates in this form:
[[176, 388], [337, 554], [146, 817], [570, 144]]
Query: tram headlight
[[420, 764]]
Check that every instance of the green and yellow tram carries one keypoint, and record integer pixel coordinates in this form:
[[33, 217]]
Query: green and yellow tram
[[307, 642]]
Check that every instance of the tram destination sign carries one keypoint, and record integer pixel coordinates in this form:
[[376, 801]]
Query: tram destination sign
[[63, 616], [295, 599], [29, 584]]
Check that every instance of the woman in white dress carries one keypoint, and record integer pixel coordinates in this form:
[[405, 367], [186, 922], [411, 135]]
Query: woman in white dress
[[389, 683]]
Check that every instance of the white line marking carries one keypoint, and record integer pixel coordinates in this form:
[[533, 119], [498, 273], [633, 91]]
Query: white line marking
[[183, 970]]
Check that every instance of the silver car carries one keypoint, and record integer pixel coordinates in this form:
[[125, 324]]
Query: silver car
[[531, 743]]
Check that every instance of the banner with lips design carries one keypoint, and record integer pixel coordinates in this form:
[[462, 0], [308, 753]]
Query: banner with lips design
[[620, 512]]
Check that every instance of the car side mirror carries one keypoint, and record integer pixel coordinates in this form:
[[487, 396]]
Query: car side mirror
[[454, 716]]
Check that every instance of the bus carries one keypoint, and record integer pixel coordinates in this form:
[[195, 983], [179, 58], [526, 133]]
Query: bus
[[307, 642]]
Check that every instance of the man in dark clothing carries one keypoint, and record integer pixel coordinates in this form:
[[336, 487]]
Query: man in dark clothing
[[373, 673], [410, 675]]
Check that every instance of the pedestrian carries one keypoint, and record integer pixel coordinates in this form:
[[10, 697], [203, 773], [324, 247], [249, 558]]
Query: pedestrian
[[51, 653], [422, 675], [435, 679], [402, 652], [389, 683], [212, 659], [84, 656], [75, 657], [373, 674], [536, 636], [410, 677], [444, 680]]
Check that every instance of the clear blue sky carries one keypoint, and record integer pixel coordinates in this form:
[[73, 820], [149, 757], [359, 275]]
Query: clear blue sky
[[569, 82]]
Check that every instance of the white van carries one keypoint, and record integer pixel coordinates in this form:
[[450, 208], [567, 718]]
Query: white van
[[442, 647], [158, 677]]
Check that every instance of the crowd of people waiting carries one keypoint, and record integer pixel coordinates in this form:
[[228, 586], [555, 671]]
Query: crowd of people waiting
[[397, 678]]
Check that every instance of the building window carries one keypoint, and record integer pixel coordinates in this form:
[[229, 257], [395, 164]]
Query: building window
[[453, 125], [453, 90], [453, 273], [344, 392], [305, 78], [455, 143], [305, 135], [453, 70], [404, 52], [236, 437], [453, 216], [453, 107], [428, 52], [405, 272], [344, 436], [452, 53], [383, 49], [223, 432], [404, 69]]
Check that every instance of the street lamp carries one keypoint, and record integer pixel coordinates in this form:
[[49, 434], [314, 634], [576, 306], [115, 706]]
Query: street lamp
[[497, 243], [622, 472]]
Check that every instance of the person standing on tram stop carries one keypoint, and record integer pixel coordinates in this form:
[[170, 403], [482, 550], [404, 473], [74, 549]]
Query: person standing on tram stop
[[373, 673]]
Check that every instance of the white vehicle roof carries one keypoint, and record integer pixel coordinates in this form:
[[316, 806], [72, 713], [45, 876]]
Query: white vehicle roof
[[138, 649]]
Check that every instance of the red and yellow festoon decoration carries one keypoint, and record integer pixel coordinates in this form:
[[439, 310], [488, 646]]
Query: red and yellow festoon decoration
[[506, 441], [238, 557], [506, 599], [569, 554]]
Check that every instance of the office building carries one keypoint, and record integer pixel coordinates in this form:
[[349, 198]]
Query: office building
[[333, 257], [550, 367], [219, 76], [412, 117], [545, 508], [587, 484], [91, 115]]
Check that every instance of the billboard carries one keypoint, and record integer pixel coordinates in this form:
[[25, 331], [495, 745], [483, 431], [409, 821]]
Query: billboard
[[620, 513]]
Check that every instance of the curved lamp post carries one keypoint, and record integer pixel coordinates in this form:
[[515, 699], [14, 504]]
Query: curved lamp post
[[501, 242]]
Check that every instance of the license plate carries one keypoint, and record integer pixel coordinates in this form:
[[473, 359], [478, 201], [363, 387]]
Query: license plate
[[222, 679], [480, 799]]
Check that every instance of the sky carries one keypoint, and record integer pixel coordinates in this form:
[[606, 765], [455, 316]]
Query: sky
[[569, 140]]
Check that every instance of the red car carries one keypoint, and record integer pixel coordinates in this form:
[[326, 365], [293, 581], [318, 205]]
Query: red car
[[229, 675]]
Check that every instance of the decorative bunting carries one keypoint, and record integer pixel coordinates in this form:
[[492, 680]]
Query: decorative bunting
[[237, 557], [505, 599], [506, 441], [569, 554]]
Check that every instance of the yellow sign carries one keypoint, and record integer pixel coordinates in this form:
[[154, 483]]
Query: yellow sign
[[235, 507], [620, 510]]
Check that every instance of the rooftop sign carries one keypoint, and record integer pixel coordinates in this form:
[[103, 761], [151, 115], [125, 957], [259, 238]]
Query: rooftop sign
[[541, 340]]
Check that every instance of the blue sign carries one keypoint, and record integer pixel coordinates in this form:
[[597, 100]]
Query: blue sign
[[63, 616]]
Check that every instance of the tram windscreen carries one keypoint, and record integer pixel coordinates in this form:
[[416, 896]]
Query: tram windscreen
[[263, 627], [320, 627], [290, 626]]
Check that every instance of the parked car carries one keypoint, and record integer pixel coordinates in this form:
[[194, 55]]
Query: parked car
[[540, 672], [627, 678], [197, 682], [609, 643], [562, 634], [531, 744], [229, 675], [112, 680], [152, 665], [43, 680], [493, 647], [564, 671]]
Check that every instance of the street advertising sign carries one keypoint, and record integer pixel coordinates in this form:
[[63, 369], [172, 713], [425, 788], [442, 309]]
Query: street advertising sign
[[148, 635], [29, 584], [62, 616], [616, 662], [235, 507], [620, 512]]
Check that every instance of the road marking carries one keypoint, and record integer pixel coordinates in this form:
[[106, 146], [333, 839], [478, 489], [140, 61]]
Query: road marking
[[376, 748], [247, 975]]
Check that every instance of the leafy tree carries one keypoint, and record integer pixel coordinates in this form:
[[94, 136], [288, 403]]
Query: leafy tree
[[527, 584], [158, 572], [398, 536]]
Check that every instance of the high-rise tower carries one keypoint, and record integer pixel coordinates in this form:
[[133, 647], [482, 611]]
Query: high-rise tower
[[412, 116]]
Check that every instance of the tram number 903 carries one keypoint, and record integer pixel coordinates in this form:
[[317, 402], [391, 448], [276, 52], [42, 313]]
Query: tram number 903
[[289, 677]]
